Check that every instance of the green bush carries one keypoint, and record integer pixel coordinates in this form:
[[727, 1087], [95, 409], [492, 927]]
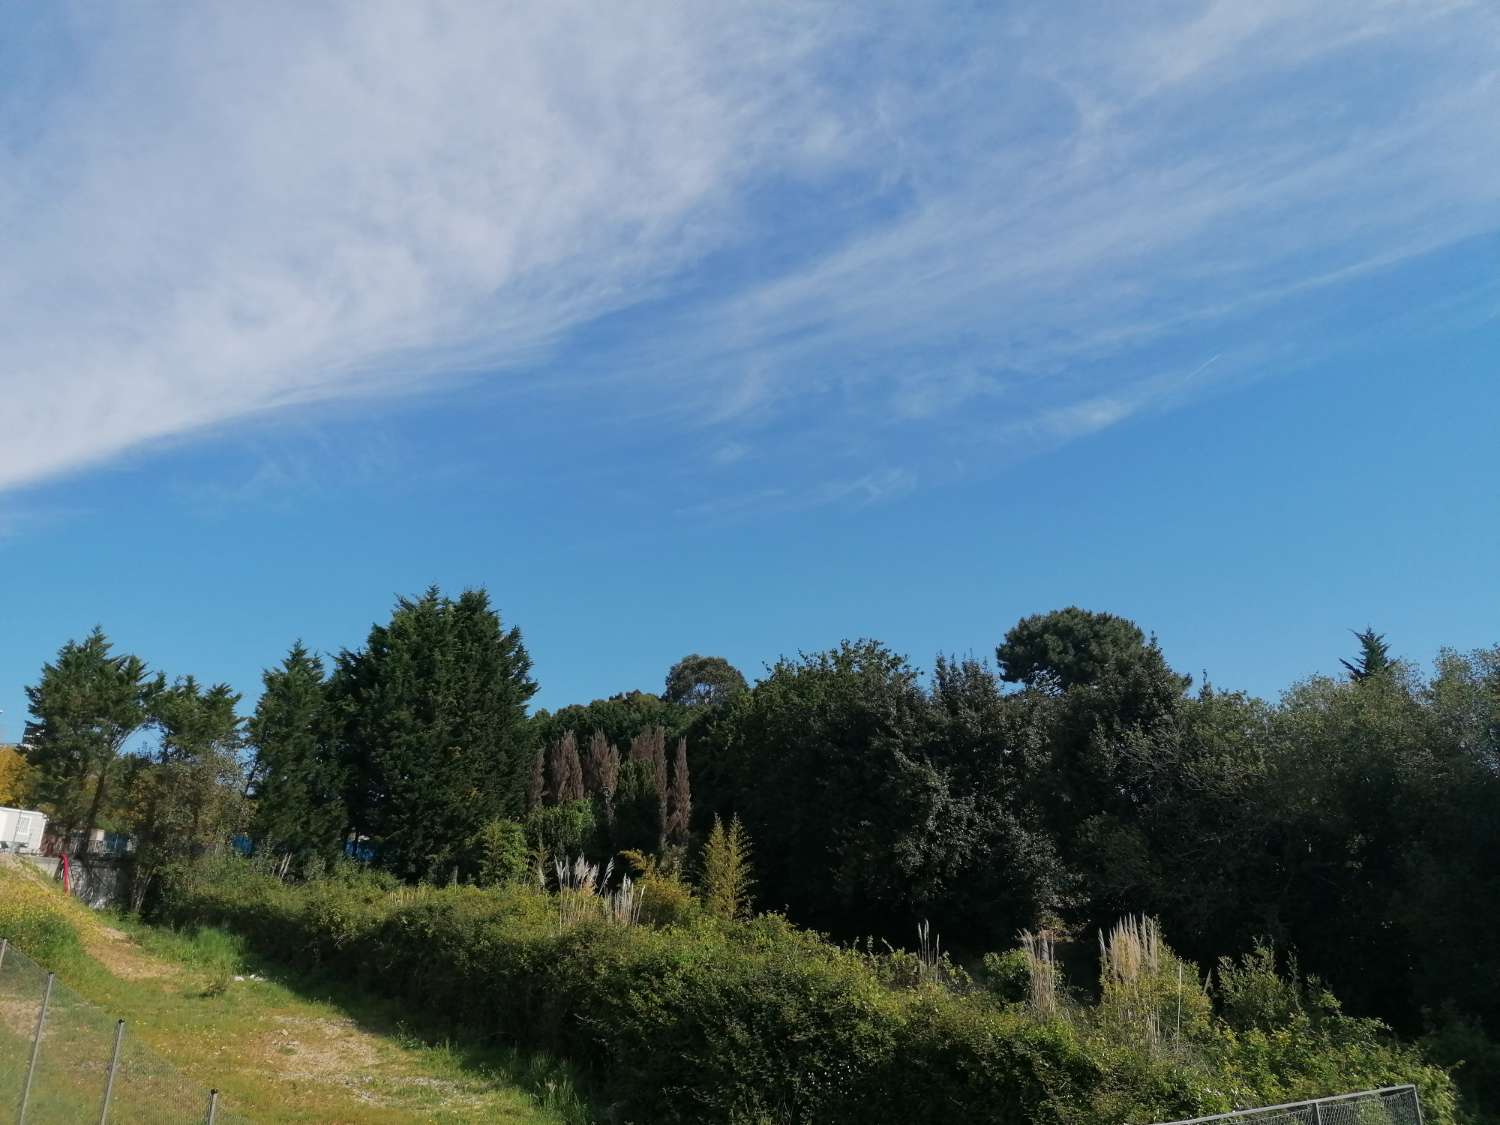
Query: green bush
[[714, 1021], [1007, 975], [355, 874], [1252, 994], [500, 853], [1322, 1051], [561, 830], [667, 901], [1461, 1043]]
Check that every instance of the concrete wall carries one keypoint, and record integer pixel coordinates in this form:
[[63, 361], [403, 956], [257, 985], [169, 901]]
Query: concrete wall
[[96, 880], [48, 863]]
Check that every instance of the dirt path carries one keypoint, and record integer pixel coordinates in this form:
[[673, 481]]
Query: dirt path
[[115, 950]]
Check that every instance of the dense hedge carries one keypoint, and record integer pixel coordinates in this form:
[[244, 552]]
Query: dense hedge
[[757, 1021]]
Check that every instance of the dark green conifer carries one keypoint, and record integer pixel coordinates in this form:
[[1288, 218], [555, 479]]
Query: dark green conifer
[[298, 779], [435, 730], [1374, 656]]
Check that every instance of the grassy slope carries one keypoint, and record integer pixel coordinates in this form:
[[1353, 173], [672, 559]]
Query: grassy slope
[[280, 1051]]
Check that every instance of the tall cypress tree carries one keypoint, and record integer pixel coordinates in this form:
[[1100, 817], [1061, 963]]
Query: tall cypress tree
[[434, 729], [298, 778], [679, 798], [566, 771], [86, 706], [641, 804], [536, 785], [602, 771]]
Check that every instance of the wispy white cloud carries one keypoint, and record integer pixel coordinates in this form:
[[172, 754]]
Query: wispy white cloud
[[861, 491], [240, 207], [976, 227]]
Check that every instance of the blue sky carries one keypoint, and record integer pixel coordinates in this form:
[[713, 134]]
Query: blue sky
[[744, 328]]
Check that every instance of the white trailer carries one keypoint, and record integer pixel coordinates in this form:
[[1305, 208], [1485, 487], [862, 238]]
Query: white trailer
[[21, 829]]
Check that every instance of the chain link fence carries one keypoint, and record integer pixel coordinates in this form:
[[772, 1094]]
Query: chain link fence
[[1393, 1105], [64, 1061]]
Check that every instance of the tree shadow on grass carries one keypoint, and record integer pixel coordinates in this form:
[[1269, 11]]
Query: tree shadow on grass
[[554, 1083]]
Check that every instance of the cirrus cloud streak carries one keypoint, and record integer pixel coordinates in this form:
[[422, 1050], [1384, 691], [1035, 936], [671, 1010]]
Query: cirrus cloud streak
[[969, 225]]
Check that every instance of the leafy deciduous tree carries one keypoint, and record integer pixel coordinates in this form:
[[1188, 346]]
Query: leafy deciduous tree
[[15, 786], [703, 681], [188, 799], [825, 763], [1107, 697]]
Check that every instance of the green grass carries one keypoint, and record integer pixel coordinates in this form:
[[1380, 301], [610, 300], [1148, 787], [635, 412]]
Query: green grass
[[308, 1049], [281, 1048]]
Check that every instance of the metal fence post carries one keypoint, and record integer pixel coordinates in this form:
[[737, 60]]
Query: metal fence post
[[1317, 1113], [114, 1061], [1416, 1100], [36, 1048], [4, 945], [213, 1106]]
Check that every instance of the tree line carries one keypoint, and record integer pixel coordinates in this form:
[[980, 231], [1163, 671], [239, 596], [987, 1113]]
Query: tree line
[[1352, 823]]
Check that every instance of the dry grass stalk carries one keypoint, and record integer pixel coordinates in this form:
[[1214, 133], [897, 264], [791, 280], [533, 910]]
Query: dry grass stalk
[[1130, 960], [576, 883], [929, 953], [583, 893], [625, 902], [1041, 963], [405, 896]]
